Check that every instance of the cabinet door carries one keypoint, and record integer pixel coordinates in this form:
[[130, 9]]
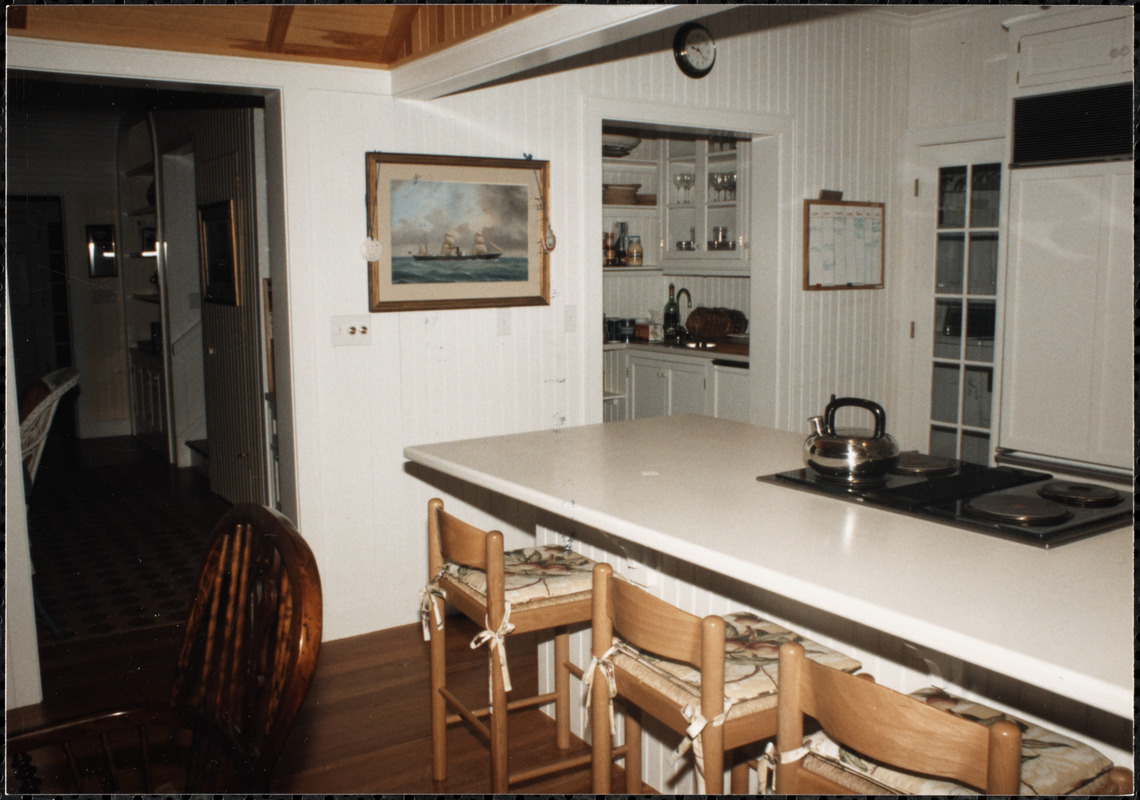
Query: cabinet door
[[1067, 388], [688, 389], [706, 186], [649, 385], [730, 393], [1099, 50]]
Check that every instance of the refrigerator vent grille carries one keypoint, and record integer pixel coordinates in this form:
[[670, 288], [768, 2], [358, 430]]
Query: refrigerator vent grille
[[1068, 127]]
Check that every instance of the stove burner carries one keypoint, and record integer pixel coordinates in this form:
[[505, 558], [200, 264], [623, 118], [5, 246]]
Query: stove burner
[[911, 463], [1018, 509], [1080, 494]]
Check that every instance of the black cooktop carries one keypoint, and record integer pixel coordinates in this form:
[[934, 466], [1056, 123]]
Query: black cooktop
[[1013, 503]]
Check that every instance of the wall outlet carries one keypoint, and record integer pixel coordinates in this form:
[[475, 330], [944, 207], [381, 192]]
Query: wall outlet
[[351, 330]]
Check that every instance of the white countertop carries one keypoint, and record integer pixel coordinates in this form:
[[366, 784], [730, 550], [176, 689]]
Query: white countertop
[[674, 351], [1061, 619]]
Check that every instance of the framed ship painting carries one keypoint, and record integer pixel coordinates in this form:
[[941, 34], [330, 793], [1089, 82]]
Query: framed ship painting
[[457, 232]]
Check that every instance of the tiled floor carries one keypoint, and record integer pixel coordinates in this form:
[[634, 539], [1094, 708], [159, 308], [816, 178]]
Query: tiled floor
[[116, 538]]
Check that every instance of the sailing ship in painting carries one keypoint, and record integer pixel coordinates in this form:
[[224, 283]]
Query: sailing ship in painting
[[450, 251]]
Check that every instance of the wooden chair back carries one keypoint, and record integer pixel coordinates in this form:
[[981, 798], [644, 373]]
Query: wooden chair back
[[247, 660], [452, 539], [250, 647], [887, 726], [651, 624]]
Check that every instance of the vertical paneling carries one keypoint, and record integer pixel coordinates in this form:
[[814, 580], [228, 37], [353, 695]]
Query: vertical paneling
[[224, 171], [449, 375]]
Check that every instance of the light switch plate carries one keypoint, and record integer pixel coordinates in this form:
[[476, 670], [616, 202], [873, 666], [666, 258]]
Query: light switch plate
[[351, 330]]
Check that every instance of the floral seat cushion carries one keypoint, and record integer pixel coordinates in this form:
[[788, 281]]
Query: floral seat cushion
[[532, 573], [1051, 764], [751, 674]]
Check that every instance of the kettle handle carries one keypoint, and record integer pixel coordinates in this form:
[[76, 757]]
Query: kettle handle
[[869, 405]]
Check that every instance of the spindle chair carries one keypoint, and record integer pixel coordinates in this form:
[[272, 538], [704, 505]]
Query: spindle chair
[[247, 660]]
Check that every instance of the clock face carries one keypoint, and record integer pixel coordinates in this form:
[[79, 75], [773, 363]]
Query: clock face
[[695, 50]]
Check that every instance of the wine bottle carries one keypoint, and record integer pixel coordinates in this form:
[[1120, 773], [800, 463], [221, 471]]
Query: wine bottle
[[672, 317]]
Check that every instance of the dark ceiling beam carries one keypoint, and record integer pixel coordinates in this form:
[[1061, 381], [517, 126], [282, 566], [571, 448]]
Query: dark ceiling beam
[[399, 33], [279, 17]]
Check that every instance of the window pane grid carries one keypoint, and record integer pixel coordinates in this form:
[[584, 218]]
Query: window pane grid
[[965, 310]]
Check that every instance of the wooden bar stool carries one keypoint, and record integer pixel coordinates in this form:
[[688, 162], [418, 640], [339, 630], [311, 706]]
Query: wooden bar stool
[[875, 740], [532, 589], [718, 690]]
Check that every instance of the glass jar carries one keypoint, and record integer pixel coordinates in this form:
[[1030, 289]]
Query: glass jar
[[635, 255]]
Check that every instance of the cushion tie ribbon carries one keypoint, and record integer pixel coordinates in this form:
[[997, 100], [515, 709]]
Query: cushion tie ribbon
[[605, 666], [766, 772], [428, 608], [697, 724], [496, 643]]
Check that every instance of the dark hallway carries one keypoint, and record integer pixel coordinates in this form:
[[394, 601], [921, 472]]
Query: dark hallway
[[116, 536]]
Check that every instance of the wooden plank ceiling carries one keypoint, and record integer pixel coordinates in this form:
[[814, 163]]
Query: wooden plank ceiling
[[378, 36]]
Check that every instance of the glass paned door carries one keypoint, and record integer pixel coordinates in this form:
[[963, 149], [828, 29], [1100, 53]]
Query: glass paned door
[[965, 310]]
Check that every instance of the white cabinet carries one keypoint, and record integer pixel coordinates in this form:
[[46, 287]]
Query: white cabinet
[[1079, 46], [705, 225], [730, 390], [615, 398], [1067, 388], [662, 386], [640, 168], [691, 207]]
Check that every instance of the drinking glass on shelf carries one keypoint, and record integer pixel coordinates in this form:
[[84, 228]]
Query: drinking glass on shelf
[[687, 184], [715, 184], [678, 182], [730, 185]]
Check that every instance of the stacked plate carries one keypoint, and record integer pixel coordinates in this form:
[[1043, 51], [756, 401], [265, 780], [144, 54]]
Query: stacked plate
[[615, 145]]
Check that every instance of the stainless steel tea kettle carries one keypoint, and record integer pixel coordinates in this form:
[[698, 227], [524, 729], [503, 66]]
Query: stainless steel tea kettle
[[850, 456]]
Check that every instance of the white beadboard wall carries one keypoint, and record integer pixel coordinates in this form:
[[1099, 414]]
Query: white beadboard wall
[[636, 294]]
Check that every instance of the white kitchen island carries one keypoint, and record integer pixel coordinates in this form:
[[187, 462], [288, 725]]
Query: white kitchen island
[[1059, 619]]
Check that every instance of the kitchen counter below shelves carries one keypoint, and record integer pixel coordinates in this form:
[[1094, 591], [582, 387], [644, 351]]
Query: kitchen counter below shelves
[[729, 349]]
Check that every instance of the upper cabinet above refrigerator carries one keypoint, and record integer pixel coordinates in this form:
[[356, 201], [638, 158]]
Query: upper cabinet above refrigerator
[[1072, 47]]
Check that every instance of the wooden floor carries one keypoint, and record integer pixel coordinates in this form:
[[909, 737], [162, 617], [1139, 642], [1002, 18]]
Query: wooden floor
[[365, 727]]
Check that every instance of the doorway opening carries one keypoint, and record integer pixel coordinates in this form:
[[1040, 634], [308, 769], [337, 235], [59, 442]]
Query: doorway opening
[[63, 135]]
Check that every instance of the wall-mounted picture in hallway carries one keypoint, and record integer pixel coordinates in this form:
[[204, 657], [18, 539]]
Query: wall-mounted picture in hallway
[[101, 260], [218, 253], [457, 232]]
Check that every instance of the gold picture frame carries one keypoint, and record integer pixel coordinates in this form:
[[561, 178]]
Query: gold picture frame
[[217, 253], [457, 232]]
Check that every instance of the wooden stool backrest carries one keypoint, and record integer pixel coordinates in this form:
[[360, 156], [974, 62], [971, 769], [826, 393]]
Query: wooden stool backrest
[[651, 624], [889, 727], [452, 539]]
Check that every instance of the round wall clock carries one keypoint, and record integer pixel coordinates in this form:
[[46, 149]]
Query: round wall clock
[[695, 50]]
